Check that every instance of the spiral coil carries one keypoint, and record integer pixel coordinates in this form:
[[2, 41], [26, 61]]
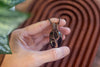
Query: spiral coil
[[83, 17]]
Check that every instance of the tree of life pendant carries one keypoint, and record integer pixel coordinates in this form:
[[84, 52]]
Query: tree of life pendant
[[55, 36]]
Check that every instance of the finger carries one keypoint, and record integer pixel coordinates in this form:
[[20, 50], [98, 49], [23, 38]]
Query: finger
[[64, 30], [63, 37], [45, 41], [53, 54], [40, 26], [56, 20]]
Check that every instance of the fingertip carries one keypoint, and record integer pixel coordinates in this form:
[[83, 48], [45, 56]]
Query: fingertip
[[56, 20], [63, 37], [62, 22], [62, 52], [65, 30], [65, 50], [69, 30]]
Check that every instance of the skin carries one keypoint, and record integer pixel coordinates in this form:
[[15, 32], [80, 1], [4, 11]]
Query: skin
[[25, 6], [27, 42]]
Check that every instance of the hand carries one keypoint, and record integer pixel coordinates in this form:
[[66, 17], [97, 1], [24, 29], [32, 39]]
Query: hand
[[27, 42]]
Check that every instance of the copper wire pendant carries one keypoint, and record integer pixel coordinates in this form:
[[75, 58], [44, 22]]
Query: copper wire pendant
[[55, 36]]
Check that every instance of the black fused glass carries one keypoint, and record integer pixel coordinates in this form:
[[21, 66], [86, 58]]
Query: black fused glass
[[59, 41], [55, 35], [53, 44]]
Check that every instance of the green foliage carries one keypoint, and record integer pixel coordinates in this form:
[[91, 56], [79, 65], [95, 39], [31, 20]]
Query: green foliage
[[12, 2], [4, 47], [9, 20], [4, 5]]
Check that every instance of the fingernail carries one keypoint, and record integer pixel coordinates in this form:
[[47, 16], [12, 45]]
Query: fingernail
[[54, 19], [65, 50], [62, 52], [68, 29], [63, 20]]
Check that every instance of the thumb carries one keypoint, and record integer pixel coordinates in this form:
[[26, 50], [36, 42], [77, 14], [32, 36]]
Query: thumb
[[53, 54]]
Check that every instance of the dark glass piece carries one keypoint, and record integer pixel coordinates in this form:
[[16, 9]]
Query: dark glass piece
[[53, 44], [59, 42], [56, 35], [51, 35]]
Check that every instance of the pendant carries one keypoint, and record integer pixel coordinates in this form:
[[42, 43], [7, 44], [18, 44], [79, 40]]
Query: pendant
[[55, 36]]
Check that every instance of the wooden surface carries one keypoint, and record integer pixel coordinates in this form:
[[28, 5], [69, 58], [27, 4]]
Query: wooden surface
[[83, 17], [1, 58]]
